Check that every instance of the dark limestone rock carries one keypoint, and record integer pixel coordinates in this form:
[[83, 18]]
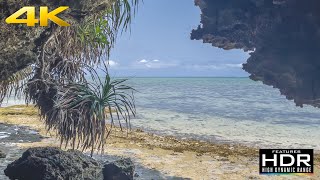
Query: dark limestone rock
[[122, 169], [20, 45], [47, 163], [53, 163], [285, 37], [2, 154]]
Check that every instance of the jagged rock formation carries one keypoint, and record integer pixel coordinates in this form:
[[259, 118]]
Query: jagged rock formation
[[52, 163], [46, 163], [284, 35]]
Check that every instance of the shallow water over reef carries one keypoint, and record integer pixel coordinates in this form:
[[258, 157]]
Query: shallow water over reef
[[232, 110]]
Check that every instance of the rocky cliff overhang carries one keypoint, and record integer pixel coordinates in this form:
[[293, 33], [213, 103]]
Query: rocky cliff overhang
[[37, 60], [21, 46], [284, 36]]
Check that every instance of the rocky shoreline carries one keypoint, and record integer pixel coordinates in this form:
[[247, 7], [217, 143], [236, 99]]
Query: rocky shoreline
[[155, 156], [47, 163], [19, 138]]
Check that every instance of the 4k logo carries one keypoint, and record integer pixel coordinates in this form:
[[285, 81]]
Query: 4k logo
[[45, 16]]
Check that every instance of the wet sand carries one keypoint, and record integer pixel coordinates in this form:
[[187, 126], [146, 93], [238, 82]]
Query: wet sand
[[161, 157]]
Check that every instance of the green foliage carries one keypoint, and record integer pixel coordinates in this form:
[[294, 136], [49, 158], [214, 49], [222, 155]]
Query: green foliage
[[63, 55], [100, 31], [83, 112]]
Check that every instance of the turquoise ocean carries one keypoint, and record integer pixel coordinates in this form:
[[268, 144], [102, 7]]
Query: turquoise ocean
[[223, 110]]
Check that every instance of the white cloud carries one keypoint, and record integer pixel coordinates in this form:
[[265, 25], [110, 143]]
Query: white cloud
[[143, 61], [152, 64], [113, 63], [156, 65]]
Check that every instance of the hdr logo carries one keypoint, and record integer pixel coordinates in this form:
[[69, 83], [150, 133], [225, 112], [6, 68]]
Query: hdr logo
[[45, 16], [285, 161]]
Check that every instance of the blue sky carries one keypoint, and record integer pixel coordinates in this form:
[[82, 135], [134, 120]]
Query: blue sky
[[159, 45]]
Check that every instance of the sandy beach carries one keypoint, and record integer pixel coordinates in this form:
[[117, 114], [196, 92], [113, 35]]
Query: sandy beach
[[160, 157]]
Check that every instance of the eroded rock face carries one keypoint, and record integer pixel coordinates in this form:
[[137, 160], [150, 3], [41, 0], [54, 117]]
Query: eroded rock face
[[21, 45], [17, 42], [285, 35], [52, 163]]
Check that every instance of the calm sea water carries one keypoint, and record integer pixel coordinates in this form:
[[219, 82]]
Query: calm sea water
[[232, 110], [235, 110]]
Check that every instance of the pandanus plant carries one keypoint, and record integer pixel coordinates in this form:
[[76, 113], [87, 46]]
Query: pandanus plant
[[85, 113], [81, 112]]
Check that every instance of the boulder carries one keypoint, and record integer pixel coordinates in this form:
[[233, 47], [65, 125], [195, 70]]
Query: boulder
[[53, 163], [2, 154], [47, 163], [122, 169]]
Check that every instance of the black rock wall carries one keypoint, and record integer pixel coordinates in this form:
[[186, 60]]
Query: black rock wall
[[285, 37]]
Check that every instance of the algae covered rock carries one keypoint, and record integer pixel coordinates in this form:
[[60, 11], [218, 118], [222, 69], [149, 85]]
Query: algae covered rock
[[47, 163], [122, 169], [53, 163]]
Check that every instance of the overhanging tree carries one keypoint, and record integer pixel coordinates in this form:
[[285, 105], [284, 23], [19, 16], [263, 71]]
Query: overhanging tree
[[55, 75]]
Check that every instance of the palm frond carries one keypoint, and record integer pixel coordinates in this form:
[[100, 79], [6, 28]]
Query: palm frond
[[84, 114], [90, 41], [15, 84]]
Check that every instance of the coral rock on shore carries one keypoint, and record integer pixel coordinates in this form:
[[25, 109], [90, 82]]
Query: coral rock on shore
[[121, 169], [53, 163], [48, 163]]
